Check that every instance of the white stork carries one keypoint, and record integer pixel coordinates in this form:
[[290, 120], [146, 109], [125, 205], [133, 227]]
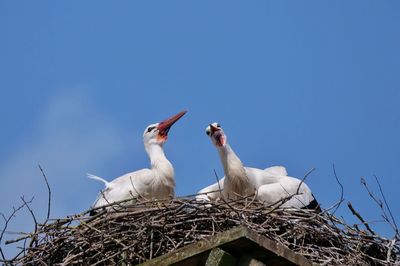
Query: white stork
[[155, 183], [271, 184]]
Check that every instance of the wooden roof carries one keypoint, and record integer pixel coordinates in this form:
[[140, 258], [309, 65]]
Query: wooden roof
[[238, 246]]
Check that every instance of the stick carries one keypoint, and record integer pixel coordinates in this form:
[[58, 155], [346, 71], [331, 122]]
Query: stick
[[354, 212], [48, 193]]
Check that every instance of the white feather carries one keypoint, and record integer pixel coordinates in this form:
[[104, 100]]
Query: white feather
[[98, 178]]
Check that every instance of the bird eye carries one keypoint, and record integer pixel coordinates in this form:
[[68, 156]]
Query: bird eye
[[150, 129], [208, 132], [218, 125]]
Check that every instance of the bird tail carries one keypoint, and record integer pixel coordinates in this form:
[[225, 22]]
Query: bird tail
[[98, 179]]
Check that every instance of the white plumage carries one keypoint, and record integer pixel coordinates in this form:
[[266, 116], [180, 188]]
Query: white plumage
[[154, 183], [270, 185]]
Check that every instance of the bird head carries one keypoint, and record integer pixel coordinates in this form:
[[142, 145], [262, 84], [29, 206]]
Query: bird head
[[158, 133], [217, 135]]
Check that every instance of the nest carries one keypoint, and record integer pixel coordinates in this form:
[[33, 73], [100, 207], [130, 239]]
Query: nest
[[135, 233]]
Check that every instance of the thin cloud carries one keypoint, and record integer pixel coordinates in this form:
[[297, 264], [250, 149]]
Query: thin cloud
[[71, 136]]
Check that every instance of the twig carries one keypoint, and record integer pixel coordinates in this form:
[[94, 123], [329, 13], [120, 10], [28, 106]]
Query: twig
[[390, 248], [6, 222], [151, 243], [48, 193], [33, 217], [137, 192], [219, 187], [381, 206], [304, 178], [341, 199], [354, 212], [396, 229]]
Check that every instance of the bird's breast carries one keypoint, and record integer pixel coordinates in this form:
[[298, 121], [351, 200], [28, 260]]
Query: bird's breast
[[162, 187]]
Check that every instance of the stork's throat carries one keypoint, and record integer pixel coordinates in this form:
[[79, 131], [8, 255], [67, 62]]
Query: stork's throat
[[159, 162], [235, 174]]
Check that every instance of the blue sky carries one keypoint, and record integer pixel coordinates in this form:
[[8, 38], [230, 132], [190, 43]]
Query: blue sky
[[293, 83]]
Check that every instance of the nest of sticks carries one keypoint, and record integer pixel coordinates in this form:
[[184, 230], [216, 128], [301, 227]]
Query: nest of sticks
[[135, 233]]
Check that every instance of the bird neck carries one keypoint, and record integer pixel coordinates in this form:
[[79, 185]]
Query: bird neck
[[229, 157], [159, 163], [235, 174]]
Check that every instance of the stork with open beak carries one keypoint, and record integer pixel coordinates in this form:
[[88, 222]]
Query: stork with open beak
[[271, 185], [155, 183]]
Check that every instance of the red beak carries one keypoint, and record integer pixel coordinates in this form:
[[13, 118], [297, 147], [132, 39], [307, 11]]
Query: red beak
[[213, 129], [164, 126]]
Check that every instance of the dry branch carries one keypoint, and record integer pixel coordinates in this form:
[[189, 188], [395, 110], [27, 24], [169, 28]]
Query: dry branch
[[48, 193]]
